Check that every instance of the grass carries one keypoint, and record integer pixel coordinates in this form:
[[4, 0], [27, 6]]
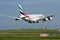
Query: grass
[[28, 34]]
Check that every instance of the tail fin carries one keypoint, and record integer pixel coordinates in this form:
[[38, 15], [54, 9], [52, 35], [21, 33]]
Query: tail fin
[[21, 10]]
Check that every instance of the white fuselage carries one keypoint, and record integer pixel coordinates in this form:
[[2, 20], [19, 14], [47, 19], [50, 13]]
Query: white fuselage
[[34, 17]]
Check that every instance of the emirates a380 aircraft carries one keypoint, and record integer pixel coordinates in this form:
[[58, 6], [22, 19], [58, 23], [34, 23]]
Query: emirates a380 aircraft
[[32, 18]]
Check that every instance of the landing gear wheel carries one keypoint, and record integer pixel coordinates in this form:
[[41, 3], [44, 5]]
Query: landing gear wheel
[[37, 22]]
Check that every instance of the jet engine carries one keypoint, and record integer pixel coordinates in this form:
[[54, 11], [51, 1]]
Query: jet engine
[[47, 18]]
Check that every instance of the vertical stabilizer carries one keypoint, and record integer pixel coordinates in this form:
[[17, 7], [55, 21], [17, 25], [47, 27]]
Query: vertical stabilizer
[[22, 12], [20, 8]]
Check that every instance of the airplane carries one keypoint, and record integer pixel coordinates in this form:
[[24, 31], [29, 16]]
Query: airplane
[[32, 18]]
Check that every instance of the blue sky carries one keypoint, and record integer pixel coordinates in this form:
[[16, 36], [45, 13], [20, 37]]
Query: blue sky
[[46, 7]]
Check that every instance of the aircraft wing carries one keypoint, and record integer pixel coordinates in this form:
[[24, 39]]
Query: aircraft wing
[[48, 18], [16, 18]]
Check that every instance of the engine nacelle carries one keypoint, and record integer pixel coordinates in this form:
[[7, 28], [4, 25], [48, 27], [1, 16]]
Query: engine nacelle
[[47, 18]]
